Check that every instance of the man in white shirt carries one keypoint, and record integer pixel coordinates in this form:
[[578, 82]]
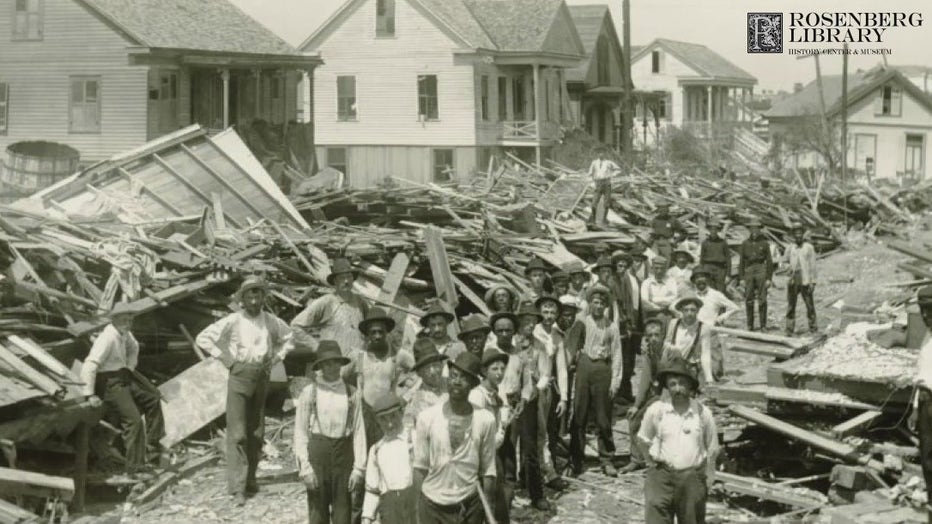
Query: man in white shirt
[[681, 271], [108, 372], [679, 440], [248, 342], [716, 307], [924, 392], [601, 171], [800, 259], [658, 291], [690, 339]]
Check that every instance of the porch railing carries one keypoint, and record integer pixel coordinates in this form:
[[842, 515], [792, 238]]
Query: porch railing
[[527, 130]]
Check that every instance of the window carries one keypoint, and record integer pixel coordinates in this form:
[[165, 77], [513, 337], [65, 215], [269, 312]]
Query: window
[[913, 167], [168, 89], [502, 98], [865, 153], [484, 97], [346, 98], [385, 18], [890, 101], [518, 97], [443, 165], [336, 158], [655, 62], [275, 87], [662, 107], [603, 62], [85, 105], [547, 99], [27, 20], [427, 97], [4, 107]]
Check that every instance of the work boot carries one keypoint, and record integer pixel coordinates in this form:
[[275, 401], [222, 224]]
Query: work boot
[[790, 327], [557, 484], [749, 312], [608, 469], [541, 505], [762, 308], [239, 499]]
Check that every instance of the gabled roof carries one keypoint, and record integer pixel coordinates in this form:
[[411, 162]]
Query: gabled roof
[[494, 25], [705, 61], [202, 25], [588, 20], [860, 85]]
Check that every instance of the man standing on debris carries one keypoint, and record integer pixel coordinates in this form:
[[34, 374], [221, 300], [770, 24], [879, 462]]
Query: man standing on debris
[[800, 260], [455, 452], [601, 171], [658, 291], [335, 314], [248, 342], [716, 255], [109, 372], [329, 440], [755, 270], [628, 301], [598, 375], [922, 402], [663, 226], [679, 440]]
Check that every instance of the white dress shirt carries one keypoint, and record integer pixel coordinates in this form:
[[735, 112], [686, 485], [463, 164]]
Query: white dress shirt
[[111, 352]]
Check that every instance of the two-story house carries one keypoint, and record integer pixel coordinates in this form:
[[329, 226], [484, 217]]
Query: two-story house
[[596, 86], [425, 89], [104, 76], [889, 126], [698, 90]]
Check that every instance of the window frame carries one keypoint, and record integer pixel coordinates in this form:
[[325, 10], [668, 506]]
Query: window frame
[[5, 108], [39, 15], [484, 92], [656, 62], [344, 165], [85, 79], [352, 113], [895, 99], [502, 95], [920, 174], [437, 168], [424, 99], [390, 28]]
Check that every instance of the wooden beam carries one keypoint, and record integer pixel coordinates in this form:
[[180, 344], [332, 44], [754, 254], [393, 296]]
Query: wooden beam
[[767, 491], [794, 343], [226, 183], [909, 249], [40, 355], [856, 424], [760, 348], [82, 444], [26, 371], [152, 194], [186, 183], [21, 482], [471, 296]]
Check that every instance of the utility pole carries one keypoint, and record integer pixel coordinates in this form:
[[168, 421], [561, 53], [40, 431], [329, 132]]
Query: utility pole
[[844, 125], [627, 113]]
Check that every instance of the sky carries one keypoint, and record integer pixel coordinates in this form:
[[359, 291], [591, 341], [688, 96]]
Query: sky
[[718, 24]]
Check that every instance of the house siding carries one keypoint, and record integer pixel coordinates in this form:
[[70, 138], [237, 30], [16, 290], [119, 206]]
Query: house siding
[[386, 71], [367, 166], [667, 80], [75, 43]]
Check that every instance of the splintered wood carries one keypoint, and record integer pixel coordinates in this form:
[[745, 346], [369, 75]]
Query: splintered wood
[[851, 357]]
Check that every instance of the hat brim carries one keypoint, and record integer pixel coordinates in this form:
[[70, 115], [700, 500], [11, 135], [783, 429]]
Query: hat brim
[[686, 254], [444, 314], [388, 410], [683, 301], [696, 274], [476, 376], [570, 306], [252, 285], [484, 329], [598, 290], [544, 299], [490, 294], [364, 325], [317, 363], [503, 314], [332, 276], [428, 360], [662, 378], [501, 357]]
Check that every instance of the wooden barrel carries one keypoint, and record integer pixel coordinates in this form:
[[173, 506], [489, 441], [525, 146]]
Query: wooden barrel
[[34, 165]]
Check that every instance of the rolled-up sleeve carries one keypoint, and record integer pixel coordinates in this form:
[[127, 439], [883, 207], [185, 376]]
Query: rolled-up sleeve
[[422, 441], [214, 335]]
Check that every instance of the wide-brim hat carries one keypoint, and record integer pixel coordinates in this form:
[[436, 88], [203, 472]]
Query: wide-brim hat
[[528, 309], [660, 260], [543, 299], [437, 310], [493, 354], [340, 266], [682, 252], [122, 309], [536, 263], [598, 289], [700, 271], [687, 298], [924, 296], [575, 267], [676, 366], [490, 294], [638, 251], [619, 255], [374, 315], [468, 363], [385, 404], [603, 261], [252, 282], [503, 314], [425, 352], [569, 301], [559, 275], [329, 350], [472, 324]]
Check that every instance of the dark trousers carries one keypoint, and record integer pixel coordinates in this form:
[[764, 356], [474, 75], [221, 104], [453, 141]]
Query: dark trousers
[[246, 391], [634, 426], [528, 424], [793, 289], [332, 460], [629, 352], [555, 444], [663, 246], [468, 511], [603, 190], [398, 506], [719, 279], [755, 279], [504, 486], [669, 493], [924, 428], [129, 401], [373, 435], [593, 380]]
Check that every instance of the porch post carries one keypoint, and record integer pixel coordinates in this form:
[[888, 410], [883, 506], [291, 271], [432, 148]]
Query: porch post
[[537, 122], [708, 113], [225, 76], [258, 73]]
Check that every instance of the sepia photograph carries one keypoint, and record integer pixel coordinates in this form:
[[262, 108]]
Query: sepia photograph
[[465, 261]]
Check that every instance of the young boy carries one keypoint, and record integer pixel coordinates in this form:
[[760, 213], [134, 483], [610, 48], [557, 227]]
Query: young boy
[[487, 396], [329, 439], [436, 323], [430, 387], [553, 397], [389, 476]]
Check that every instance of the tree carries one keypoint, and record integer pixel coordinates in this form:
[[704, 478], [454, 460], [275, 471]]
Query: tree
[[808, 134]]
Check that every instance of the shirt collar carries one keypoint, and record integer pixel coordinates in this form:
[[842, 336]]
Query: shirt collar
[[667, 402]]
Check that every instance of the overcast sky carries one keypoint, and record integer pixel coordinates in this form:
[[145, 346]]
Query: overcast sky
[[718, 24]]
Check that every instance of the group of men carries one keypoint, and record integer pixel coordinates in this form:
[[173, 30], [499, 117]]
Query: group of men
[[449, 428]]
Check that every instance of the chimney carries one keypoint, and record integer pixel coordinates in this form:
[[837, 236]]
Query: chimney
[[797, 87]]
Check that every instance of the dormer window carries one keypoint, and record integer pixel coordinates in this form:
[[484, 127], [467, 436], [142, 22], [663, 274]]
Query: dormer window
[[385, 18], [656, 62]]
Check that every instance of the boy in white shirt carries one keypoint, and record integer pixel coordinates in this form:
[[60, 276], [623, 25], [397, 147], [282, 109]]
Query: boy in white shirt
[[389, 474]]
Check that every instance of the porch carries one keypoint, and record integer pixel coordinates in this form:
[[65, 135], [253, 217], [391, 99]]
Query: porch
[[715, 110]]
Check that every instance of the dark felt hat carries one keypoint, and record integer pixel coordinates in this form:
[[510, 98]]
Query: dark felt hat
[[637, 251], [329, 350], [425, 352], [503, 314], [493, 354], [598, 289], [619, 255], [529, 309], [705, 271], [474, 323], [376, 314], [603, 261], [575, 267], [386, 404], [468, 363], [536, 263], [559, 275], [341, 265], [544, 299], [437, 310], [675, 366]]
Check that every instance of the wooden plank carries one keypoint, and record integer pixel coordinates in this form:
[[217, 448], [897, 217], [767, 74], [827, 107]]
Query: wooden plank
[[205, 200], [152, 194], [794, 343], [168, 478], [440, 269], [193, 399], [760, 348], [834, 447], [43, 357], [22, 482], [218, 211], [909, 249], [223, 181], [767, 491], [26, 371], [815, 398], [856, 424], [12, 514], [472, 296], [394, 278]]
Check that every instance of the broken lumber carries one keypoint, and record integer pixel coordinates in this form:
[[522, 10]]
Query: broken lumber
[[21, 482], [794, 343], [169, 478], [856, 424], [834, 447], [13, 514], [26, 371], [755, 347], [42, 356], [767, 491], [193, 399]]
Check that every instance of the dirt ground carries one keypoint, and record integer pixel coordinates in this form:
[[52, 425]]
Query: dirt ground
[[853, 282]]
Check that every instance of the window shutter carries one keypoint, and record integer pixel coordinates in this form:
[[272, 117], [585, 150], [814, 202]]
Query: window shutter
[[896, 101], [878, 102]]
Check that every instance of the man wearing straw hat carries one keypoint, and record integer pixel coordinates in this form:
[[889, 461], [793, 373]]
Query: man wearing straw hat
[[691, 339], [501, 298], [335, 314], [248, 342], [455, 452], [108, 371]]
